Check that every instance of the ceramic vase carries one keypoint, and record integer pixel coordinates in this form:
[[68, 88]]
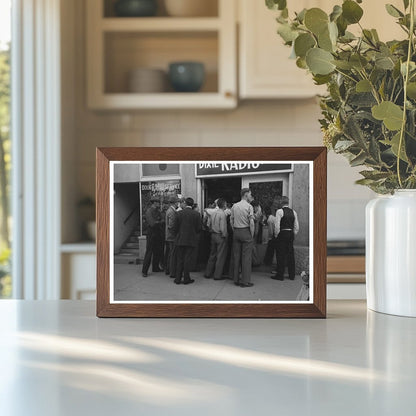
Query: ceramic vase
[[391, 253]]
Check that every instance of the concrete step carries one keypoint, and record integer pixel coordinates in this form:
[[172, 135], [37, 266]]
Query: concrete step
[[122, 258], [129, 251], [131, 245]]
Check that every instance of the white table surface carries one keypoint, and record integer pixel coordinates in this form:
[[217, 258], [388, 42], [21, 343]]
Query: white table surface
[[57, 358]]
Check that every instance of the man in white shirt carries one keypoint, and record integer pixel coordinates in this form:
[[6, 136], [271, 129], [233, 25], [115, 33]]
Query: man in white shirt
[[219, 234], [242, 222], [286, 227]]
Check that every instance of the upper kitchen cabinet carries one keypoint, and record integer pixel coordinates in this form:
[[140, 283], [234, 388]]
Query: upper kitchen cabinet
[[264, 65], [265, 70], [129, 59]]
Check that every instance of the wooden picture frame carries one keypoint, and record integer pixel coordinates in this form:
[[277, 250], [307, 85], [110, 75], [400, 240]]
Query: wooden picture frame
[[315, 157]]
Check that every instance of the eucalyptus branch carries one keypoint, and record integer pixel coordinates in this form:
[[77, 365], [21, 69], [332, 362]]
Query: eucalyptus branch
[[406, 80]]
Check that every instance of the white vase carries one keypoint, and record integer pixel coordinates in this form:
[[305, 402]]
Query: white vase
[[391, 253]]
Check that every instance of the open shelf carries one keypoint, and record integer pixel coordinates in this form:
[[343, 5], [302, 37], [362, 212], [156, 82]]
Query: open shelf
[[210, 10], [119, 45], [127, 51], [160, 24]]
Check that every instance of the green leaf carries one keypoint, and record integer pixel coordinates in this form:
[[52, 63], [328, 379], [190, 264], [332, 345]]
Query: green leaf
[[303, 43], [321, 79], [375, 35], [358, 61], [319, 61], [358, 160], [344, 65], [388, 112], [276, 4], [393, 11], [406, 4], [342, 25], [363, 86], [325, 42], [394, 145], [301, 63], [301, 15], [411, 90], [316, 20], [336, 12], [384, 62], [343, 145], [351, 11], [287, 33], [374, 174]]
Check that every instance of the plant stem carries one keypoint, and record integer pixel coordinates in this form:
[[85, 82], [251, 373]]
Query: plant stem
[[406, 80]]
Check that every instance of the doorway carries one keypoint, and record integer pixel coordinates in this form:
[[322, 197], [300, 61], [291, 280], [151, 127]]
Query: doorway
[[227, 188]]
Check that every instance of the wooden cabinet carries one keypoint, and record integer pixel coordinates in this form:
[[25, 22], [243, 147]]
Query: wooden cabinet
[[78, 262], [265, 70], [118, 45]]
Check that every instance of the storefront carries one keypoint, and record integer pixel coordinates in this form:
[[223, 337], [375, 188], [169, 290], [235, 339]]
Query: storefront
[[209, 181], [266, 181]]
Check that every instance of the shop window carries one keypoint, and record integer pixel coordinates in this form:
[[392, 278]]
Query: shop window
[[161, 169]]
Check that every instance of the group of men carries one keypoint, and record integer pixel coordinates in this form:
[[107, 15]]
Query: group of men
[[178, 231], [181, 226]]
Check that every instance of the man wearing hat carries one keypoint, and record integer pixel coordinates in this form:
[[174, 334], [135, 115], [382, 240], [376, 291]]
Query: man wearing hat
[[154, 237], [170, 254]]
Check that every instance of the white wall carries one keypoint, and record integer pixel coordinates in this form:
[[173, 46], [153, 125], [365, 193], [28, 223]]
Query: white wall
[[255, 123]]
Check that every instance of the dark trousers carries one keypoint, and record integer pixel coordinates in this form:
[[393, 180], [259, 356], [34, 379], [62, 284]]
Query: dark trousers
[[242, 250], [217, 256], [285, 254], [154, 244], [183, 262], [271, 247], [169, 251]]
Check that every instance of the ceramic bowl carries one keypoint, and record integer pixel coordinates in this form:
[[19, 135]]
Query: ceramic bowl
[[135, 8], [186, 76], [147, 80]]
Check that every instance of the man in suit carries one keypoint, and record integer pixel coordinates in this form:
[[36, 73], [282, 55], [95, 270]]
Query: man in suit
[[170, 255], [286, 227], [154, 237], [187, 228]]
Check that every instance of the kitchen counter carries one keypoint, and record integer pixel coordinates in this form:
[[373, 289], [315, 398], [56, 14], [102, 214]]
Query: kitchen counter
[[57, 358]]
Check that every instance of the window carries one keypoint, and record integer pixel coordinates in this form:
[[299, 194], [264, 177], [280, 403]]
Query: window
[[5, 147]]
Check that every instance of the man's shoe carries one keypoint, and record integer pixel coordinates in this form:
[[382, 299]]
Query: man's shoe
[[144, 274], [207, 277], [292, 278], [188, 282], [221, 278], [157, 270], [276, 278], [246, 284], [178, 282]]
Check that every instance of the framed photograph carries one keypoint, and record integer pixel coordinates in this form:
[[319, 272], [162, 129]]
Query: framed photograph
[[211, 232]]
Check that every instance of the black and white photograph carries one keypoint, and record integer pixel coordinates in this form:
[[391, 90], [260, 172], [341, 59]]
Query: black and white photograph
[[211, 232]]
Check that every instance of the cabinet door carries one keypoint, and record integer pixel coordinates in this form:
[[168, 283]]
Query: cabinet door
[[265, 68], [266, 71]]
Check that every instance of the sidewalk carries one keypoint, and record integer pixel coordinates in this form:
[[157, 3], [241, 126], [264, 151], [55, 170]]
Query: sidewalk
[[130, 285]]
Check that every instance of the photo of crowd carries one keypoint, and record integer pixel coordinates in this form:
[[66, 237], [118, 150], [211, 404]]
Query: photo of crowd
[[237, 239]]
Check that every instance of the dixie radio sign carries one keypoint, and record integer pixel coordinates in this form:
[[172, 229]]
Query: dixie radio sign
[[239, 168]]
